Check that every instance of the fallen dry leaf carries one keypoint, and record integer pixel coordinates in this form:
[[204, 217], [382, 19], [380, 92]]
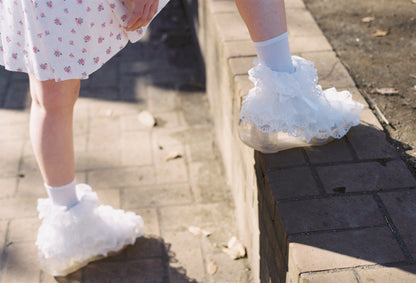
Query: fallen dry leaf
[[367, 19], [147, 119], [379, 32], [173, 155], [385, 90], [235, 249], [198, 231], [212, 267], [109, 113]]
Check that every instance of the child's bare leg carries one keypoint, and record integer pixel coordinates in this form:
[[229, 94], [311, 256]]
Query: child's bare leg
[[51, 128], [265, 19]]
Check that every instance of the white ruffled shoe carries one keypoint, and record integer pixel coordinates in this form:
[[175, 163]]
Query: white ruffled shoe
[[69, 239], [288, 110]]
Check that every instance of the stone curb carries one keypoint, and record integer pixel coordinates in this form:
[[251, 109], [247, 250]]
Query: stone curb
[[310, 214]]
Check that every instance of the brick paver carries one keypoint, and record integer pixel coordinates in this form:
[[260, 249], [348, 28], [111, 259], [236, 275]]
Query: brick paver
[[126, 163]]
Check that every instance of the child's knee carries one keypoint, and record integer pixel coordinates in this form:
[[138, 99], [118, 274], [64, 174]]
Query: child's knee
[[51, 95]]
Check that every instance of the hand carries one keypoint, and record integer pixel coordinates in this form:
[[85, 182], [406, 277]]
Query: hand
[[142, 13]]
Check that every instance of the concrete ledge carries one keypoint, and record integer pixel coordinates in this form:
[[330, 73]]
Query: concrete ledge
[[322, 214]]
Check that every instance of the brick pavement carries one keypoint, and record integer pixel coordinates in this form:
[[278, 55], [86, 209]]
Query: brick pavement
[[125, 162]]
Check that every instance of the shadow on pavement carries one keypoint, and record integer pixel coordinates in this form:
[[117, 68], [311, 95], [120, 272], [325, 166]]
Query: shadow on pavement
[[146, 261]]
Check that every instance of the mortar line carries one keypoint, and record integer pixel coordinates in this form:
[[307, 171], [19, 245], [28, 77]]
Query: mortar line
[[393, 228], [357, 276], [314, 172], [396, 264], [347, 194], [336, 230], [334, 163]]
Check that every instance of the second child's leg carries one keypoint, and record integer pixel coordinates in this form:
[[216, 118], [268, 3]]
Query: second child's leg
[[266, 23], [286, 108], [264, 19]]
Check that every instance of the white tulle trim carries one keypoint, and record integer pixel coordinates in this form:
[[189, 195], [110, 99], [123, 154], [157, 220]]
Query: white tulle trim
[[70, 238], [295, 104]]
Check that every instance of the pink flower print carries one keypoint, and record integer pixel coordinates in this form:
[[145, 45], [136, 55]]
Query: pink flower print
[[140, 31], [87, 38], [124, 18], [60, 39], [8, 39], [57, 53], [15, 3], [88, 8], [39, 35], [20, 22], [66, 11], [103, 25], [43, 66], [111, 34], [108, 51], [100, 39], [81, 61], [42, 15], [73, 31], [100, 7], [25, 52], [71, 42], [84, 50], [96, 59], [112, 5], [67, 69], [18, 44], [118, 36], [84, 75], [47, 32], [58, 22], [71, 55], [79, 1], [19, 69], [1, 48], [111, 21], [19, 32], [49, 4], [35, 49], [92, 24], [14, 55], [79, 21]]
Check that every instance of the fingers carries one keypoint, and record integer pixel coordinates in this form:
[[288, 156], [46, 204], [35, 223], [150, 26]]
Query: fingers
[[142, 16], [135, 17]]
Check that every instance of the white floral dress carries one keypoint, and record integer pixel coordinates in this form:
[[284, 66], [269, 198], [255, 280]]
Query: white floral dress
[[63, 39]]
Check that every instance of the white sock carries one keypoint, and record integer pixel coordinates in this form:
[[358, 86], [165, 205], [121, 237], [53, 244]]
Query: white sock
[[65, 195], [275, 53]]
